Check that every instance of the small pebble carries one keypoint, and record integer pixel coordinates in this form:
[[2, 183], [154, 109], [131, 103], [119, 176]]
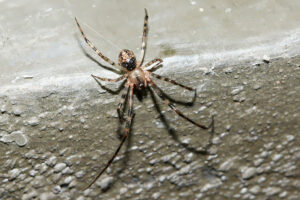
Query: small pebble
[[228, 164], [105, 183], [31, 195], [255, 189], [276, 157], [14, 173], [47, 196], [261, 180], [290, 138], [33, 121], [17, 136], [186, 141], [266, 58], [51, 161], [67, 170], [43, 168], [168, 157], [270, 191], [59, 167], [228, 127], [162, 178], [228, 70], [56, 177], [213, 184], [216, 140], [156, 195], [56, 189], [202, 108], [123, 190], [17, 110], [248, 172], [264, 154], [71, 160], [237, 90], [139, 190], [68, 180], [32, 173], [283, 194], [258, 162], [80, 174], [188, 157], [243, 190], [256, 86]]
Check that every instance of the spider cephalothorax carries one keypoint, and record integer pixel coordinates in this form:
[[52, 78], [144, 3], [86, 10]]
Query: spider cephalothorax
[[127, 59], [138, 77]]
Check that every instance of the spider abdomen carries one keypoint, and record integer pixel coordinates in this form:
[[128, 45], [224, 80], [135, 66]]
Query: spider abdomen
[[138, 78]]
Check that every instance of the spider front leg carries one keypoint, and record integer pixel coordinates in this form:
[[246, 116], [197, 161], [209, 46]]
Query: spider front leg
[[93, 47], [126, 133], [159, 92], [144, 39]]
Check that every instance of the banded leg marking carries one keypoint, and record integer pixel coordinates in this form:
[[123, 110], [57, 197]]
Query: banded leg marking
[[144, 39]]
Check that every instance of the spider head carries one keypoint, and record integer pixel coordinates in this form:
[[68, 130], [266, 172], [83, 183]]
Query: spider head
[[127, 59]]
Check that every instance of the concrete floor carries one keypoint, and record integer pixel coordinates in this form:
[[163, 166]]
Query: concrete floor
[[58, 128]]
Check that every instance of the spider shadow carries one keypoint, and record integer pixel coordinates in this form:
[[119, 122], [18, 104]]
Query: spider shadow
[[141, 94], [180, 102], [172, 132]]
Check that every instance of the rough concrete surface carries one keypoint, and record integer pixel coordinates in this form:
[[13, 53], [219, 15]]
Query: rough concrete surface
[[58, 128]]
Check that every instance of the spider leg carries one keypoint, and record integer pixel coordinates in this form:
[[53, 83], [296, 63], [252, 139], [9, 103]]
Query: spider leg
[[151, 63], [108, 79], [126, 133], [170, 81], [162, 96], [93, 47], [116, 91], [123, 98], [144, 39]]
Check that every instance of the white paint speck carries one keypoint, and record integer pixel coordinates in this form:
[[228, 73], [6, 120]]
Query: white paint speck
[[49, 10], [228, 10], [193, 2]]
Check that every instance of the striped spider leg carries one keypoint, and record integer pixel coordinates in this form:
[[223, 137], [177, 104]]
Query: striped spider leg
[[94, 48], [144, 39]]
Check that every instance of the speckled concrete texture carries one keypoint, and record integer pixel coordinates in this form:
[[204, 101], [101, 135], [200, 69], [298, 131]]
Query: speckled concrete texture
[[58, 128], [70, 136]]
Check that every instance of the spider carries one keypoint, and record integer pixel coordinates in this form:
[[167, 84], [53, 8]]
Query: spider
[[137, 78]]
